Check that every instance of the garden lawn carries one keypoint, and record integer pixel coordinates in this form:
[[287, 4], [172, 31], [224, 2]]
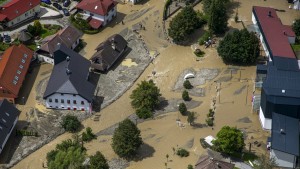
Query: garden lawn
[[47, 32]]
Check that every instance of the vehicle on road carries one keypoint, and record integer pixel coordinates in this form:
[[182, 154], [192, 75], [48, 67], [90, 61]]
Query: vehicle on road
[[7, 38], [66, 12], [46, 2], [66, 3], [57, 6]]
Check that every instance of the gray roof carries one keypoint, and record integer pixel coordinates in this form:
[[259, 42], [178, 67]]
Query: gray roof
[[24, 36], [284, 63], [106, 54], [285, 134], [70, 75], [283, 83], [8, 115]]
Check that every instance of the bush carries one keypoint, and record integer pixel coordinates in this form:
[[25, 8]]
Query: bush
[[190, 167], [182, 109], [144, 113], [199, 53], [88, 135], [187, 84], [185, 95], [98, 161], [3, 46], [71, 123], [210, 113], [209, 121], [182, 152], [204, 37], [31, 29]]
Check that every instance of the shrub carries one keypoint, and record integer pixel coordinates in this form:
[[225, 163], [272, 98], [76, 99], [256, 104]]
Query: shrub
[[190, 167], [88, 135], [71, 123], [187, 84], [199, 53], [209, 121], [211, 113], [182, 152], [182, 109], [204, 37], [185, 95], [38, 27], [3, 46], [144, 113]]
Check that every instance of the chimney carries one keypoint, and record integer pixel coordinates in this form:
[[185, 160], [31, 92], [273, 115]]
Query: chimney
[[68, 58], [270, 14], [68, 71]]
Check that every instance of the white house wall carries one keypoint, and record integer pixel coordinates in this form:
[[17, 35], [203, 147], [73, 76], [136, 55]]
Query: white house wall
[[30, 13], [105, 19], [283, 159], [65, 105], [266, 123], [7, 136]]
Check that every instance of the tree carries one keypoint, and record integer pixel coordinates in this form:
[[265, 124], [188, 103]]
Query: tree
[[187, 84], [190, 167], [146, 95], [31, 29], [88, 135], [98, 161], [296, 28], [144, 113], [266, 163], [239, 47], [184, 23], [126, 139], [70, 123], [185, 95], [217, 21], [191, 118], [229, 140], [182, 109], [38, 27]]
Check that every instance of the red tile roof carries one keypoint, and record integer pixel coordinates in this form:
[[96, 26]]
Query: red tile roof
[[289, 30], [10, 63], [273, 30], [16, 8], [100, 7], [95, 23]]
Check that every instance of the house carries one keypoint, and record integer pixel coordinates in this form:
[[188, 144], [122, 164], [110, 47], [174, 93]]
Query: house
[[8, 119], [69, 87], [207, 162], [279, 109], [98, 12], [14, 64], [18, 11], [108, 52], [69, 36]]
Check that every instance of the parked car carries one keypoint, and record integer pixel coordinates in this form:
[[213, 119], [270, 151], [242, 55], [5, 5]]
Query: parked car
[[66, 3], [57, 6], [66, 12], [46, 2], [7, 38]]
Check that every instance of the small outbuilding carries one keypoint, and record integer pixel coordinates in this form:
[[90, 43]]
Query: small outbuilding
[[24, 37], [207, 162]]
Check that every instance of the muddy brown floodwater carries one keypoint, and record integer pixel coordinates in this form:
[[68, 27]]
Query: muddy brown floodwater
[[233, 102]]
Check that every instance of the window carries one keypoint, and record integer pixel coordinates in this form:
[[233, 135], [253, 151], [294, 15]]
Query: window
[[23, 61], [74, 101], [25, 55], [26, 14], [16, 77], [68, 101], [56, 100], [62, 101], [74, 95], [82, 102], [21, 66], [18, 71], [62, 94], [6, 113], [15, 82], [50, 100]]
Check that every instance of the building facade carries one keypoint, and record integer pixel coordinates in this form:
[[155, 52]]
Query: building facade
[[68, 102]]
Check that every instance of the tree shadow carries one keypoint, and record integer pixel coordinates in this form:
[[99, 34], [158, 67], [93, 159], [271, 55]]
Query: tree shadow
[[232, 7], [199, 125], [145, 151], [97, 102], [28, 82], [163, 104], [12, 143], [120, 17]]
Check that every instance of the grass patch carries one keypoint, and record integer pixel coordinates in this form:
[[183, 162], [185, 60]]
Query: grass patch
[[3, 46], [296, 47], [32, 46], [2, 1], [47, 32]]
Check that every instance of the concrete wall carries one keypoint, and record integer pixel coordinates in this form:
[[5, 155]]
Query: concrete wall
[[266, 123], [2, 146], [283, 159], [65, 105], [24, 16]]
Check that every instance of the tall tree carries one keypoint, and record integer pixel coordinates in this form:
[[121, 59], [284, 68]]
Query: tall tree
[[184, 23], [296, 28], [217, 21], [126, 139], [229, 140], [266, 163], [38, 27], [146, 95], [70, 123], [98, 161], [239, 47]]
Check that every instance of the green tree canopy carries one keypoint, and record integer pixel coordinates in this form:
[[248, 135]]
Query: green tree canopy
[[296, 28], [239, 47], [184, 23], [229, 140], [126, 139], [98, 161], [71, 123], [146, 95], [217, 21]]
